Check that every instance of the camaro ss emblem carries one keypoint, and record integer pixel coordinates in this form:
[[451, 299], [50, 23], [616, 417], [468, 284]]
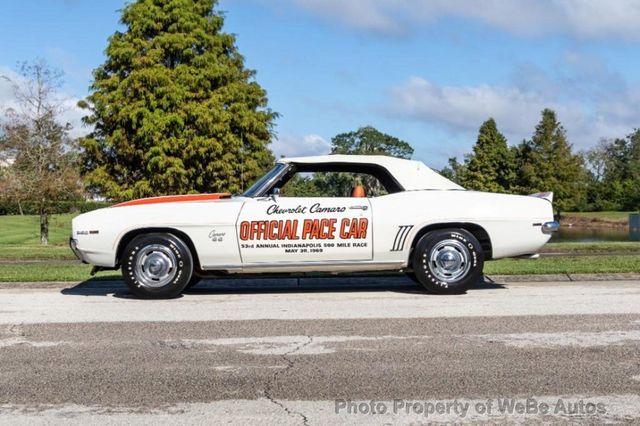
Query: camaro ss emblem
[[216, 236]]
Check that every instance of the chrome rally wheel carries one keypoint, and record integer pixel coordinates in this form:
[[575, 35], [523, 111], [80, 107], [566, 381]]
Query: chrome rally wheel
[[448, 261], [157, 265]]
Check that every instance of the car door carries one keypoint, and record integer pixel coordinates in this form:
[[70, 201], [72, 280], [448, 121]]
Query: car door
[[301, 230]]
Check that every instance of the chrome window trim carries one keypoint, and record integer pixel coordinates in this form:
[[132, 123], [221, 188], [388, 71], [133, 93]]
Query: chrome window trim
[[261, 190]]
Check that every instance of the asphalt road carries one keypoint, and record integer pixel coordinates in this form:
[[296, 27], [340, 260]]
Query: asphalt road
[[367, 351]]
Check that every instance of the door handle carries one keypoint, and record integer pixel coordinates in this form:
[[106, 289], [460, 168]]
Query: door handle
[[358, 207]]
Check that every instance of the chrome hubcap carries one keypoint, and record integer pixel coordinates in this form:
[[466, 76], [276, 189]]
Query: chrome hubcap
[[449, 260], [156, 266]]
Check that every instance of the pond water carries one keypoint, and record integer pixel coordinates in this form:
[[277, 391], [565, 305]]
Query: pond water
[[573, 234]]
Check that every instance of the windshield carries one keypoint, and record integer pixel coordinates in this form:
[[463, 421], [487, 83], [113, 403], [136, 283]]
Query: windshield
[[258, 188]]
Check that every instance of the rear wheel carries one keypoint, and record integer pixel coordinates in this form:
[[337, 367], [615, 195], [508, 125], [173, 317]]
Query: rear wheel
[[448, 261], [157, 266], [412, 276]]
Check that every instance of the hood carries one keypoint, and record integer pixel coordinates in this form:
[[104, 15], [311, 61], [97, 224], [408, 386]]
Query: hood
[[174, 199]]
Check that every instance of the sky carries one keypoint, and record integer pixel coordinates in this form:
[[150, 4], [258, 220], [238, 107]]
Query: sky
[[428, 72]]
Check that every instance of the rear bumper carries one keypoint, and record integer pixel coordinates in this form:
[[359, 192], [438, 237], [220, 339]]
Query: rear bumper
[[550, 227]]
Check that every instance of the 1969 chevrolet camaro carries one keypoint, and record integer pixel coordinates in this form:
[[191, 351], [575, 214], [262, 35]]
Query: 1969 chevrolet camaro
[[416, 221]]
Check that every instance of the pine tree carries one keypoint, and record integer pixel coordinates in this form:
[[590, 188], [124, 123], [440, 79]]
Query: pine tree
[[546, 163], [455, 170], [174, 109], [491, 165]]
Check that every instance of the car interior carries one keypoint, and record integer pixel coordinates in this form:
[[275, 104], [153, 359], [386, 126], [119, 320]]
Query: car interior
[[336, 180]]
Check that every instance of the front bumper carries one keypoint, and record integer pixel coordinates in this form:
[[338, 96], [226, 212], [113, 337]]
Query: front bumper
[[73, 244]]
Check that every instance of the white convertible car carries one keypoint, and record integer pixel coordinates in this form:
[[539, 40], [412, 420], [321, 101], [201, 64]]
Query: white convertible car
[[413, 220]]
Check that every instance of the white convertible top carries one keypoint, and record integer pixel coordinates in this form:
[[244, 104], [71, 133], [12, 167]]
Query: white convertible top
[[411, 174]]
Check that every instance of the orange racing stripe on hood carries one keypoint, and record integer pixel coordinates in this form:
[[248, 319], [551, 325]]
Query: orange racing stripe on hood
[[174, 199]]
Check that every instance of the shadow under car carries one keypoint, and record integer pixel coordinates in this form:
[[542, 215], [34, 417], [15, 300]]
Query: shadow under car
[[283, 284]]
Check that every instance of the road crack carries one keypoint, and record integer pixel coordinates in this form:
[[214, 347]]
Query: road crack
[[268, 389], [16, 330]]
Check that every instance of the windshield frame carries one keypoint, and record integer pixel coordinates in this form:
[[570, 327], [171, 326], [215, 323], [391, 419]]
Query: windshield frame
[[261, 187]]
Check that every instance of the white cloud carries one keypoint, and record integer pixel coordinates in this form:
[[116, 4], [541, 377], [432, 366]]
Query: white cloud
[[295, 146], [362, 14], [6, 91], [581, 18], [586, 115], [463, 108], [70, 113]]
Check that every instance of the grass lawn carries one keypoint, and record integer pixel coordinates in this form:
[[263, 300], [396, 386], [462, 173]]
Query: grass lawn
[[602, 247], [25, 230], [564, 265], [20, 238], [549, 265], [604, 216], [35, 252], [50, 272]]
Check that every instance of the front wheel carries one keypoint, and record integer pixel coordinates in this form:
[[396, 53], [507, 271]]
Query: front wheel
[[157, 266], [448, 261]]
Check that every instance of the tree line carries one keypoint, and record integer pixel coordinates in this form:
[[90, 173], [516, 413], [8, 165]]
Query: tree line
[[606, 177]]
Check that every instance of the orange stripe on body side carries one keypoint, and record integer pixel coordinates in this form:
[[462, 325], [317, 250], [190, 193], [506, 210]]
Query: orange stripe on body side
[[174, 199]]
